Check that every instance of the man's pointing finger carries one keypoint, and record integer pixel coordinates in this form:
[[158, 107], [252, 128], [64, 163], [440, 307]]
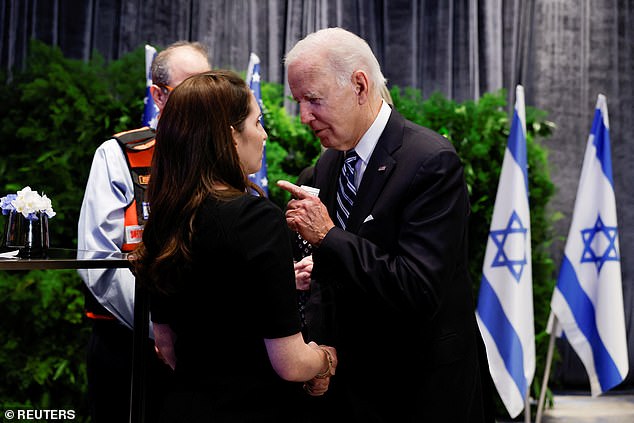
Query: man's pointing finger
[[296, 192]]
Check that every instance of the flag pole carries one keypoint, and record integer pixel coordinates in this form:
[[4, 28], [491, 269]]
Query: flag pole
[[527, 407], [549, 360]]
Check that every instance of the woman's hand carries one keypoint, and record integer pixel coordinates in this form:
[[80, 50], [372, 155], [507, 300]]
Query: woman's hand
[[318, 385], [164, 339]]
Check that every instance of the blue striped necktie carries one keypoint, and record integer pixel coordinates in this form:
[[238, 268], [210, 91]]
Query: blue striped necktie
[[346, 190]]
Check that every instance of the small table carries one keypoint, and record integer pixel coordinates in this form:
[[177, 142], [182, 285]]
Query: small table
[[61, 258]]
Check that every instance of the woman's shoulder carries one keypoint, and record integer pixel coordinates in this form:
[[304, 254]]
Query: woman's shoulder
[[257, 204], [253, 219], [242, 205]]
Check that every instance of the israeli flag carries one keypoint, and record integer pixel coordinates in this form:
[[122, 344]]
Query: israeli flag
[[588, 298], [505, 302], [150, 109], [260, 178]]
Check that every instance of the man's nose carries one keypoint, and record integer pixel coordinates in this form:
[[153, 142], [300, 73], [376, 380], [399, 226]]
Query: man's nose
[[305, 114]]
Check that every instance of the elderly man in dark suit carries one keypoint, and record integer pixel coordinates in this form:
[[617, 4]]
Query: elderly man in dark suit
[[389, 237]]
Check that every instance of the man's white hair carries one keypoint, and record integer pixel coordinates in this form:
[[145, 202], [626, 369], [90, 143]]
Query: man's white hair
[[342, 52]]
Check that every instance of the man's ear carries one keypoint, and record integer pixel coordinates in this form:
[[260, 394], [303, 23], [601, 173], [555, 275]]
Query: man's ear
[[361, 86], [159, 97]]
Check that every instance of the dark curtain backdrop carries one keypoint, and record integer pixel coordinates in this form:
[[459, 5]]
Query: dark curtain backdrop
[[564, 52]]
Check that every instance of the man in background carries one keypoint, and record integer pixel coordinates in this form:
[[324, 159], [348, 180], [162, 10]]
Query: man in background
[[112, 215]]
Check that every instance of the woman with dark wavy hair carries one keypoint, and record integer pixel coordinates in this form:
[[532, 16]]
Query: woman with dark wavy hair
[[217, 261]]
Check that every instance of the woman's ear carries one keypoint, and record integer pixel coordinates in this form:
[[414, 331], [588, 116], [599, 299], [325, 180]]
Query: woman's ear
[[234, 135]]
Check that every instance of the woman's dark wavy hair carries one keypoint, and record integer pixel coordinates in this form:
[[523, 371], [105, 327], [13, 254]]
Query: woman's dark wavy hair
[[194, 155]]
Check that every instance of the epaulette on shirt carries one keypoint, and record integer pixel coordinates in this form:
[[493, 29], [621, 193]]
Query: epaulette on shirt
[[135, 138]]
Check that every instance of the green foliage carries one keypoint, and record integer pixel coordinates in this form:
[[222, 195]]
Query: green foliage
[[291, 146], [43, 341], [57, 111], [479, 131]]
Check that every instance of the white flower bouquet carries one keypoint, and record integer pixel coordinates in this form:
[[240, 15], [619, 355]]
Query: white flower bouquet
[[27, 202]]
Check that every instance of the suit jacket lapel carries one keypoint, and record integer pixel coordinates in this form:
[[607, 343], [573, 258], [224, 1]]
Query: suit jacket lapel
[[326, 177], [377, 172]]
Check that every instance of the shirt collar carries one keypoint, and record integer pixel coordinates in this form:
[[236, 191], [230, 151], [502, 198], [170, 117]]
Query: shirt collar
[[368, 141]]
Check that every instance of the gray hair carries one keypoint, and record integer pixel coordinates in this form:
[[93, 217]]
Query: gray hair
[[160, 65], [343, 52]]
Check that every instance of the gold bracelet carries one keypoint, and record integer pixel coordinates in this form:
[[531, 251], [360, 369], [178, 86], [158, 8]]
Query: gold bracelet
[[329, 362]]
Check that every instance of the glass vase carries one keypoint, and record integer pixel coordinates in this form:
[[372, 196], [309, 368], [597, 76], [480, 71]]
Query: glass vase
[[28, 235]]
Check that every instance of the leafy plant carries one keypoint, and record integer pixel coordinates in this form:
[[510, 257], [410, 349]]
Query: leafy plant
[[43, 342]]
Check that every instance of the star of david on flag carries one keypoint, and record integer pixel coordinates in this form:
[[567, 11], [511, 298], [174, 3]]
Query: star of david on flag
[[588, 299], [150, 109], [505, 300], [514, 260], [260, 178], [599, 244]]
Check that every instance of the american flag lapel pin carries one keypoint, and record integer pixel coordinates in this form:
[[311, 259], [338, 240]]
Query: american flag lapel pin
[[382, 168]]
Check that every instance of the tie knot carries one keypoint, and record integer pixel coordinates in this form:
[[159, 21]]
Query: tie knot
[[351, 157]]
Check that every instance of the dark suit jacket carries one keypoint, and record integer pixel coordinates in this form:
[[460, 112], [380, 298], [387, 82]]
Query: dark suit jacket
[[395, 294]]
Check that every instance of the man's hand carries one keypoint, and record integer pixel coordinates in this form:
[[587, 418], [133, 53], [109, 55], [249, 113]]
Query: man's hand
[[306, 214], [303, 271]]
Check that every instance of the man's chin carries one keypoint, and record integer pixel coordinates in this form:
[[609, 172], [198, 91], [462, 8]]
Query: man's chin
[[325, 141]]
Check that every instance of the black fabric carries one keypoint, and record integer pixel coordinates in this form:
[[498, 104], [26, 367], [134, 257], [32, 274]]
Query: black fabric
[[109, 367], [134, 138], [241, 290], [301, 249], [91, 305]]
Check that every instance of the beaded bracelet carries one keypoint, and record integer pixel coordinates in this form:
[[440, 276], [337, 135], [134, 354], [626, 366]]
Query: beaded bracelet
[[329, 360]]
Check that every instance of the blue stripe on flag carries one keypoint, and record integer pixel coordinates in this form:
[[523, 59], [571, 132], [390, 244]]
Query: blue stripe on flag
[[584, 313], [260, 178], [506, 339], [150, 110], [517, 146], [602, 144]]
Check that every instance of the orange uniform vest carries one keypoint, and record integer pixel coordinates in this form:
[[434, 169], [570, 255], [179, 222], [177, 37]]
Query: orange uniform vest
[[138, 148]]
